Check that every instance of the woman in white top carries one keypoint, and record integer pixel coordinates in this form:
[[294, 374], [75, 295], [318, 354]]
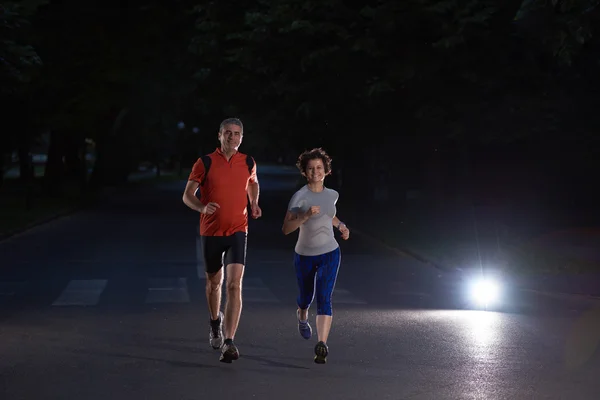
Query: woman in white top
[[317, 253]]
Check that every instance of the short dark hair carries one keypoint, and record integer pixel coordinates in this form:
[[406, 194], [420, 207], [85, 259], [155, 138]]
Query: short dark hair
[[314, 154], [232, 121]]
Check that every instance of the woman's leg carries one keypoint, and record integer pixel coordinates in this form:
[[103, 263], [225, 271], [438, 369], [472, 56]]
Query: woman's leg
[[305, 277], [326, 277]]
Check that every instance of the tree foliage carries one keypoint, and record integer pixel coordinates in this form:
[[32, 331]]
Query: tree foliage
[[418, 71], [19, 60], [458, 64]]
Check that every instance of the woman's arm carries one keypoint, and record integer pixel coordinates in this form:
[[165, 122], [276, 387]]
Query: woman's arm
[[339, 225], [292, 221], [336, 223]]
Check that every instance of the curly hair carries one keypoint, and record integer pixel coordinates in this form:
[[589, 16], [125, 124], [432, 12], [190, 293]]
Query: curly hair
[[314, 154]]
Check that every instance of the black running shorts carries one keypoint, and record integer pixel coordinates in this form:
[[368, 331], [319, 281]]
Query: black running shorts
[[223, 250]]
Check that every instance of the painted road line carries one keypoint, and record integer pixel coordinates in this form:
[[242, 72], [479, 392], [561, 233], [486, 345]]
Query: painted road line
[[167, 290], [81, 293]]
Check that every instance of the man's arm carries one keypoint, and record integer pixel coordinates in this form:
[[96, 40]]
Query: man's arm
[[189, 194], [190, 199], [253, 186], [253, 192], [193, 184]]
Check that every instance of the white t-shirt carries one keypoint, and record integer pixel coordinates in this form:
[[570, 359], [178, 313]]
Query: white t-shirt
[[316, 234]]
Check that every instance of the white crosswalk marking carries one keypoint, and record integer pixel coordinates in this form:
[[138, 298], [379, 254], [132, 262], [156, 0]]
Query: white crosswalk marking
[[167, 290], [171, 290], [343, 296], [81, 293]]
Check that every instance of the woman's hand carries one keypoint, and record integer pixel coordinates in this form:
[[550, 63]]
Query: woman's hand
[[313, 210], [344, 230]]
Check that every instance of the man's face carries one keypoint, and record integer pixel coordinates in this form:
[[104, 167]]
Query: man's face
[[230, 137]]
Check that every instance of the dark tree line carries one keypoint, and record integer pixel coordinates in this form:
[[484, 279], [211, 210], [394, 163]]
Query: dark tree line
[[398, 85]]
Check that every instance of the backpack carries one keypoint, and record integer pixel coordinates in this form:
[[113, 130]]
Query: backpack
[[206, 160]]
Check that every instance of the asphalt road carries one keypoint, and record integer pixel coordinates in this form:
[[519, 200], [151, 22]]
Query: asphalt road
[[108, 303]]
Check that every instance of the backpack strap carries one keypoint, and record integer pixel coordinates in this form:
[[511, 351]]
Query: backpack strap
[[250, 163], [206, 160]]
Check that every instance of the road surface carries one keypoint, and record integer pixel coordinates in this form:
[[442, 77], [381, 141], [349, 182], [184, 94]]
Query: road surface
[[109, 304]]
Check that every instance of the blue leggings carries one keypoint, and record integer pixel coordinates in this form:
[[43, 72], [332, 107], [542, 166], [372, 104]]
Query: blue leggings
[[325, 267]]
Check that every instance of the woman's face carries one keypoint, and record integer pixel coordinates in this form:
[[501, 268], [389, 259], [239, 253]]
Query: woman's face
[[315, 171]]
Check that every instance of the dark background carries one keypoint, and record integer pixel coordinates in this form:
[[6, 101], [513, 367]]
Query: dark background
[[442, 117]]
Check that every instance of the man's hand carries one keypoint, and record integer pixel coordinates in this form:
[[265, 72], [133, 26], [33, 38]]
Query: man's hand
[[314, 210], [210, 208], [344, 231], [256, 211]]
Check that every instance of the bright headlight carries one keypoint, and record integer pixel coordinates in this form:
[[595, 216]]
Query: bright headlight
[[485, 292]]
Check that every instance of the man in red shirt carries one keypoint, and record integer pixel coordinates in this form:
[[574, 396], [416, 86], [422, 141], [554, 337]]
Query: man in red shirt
[[224, 193]]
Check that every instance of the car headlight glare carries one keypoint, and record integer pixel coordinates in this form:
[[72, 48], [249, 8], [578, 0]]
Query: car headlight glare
[[486, 291]]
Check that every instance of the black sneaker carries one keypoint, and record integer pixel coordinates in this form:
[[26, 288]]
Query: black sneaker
[[216, 332], [321, 352], [229, 352]]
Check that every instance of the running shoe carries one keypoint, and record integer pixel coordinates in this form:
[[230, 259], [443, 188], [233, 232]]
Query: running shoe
[[216, 332], [229, 352], [303, 327], [321, 352]]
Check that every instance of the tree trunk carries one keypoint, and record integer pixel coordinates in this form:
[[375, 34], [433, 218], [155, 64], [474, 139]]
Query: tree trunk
[[53, 177], [107, 166], [25, 162], [74, 162], [112, 164], [26, 172]]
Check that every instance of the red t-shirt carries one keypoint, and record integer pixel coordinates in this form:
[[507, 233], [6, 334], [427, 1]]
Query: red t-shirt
[[226, 185]]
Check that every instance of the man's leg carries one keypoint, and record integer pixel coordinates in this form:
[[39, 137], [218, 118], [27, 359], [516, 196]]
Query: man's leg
[[213, 298], [233, 306], [234, 260], [214, 282], [212, 250]]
